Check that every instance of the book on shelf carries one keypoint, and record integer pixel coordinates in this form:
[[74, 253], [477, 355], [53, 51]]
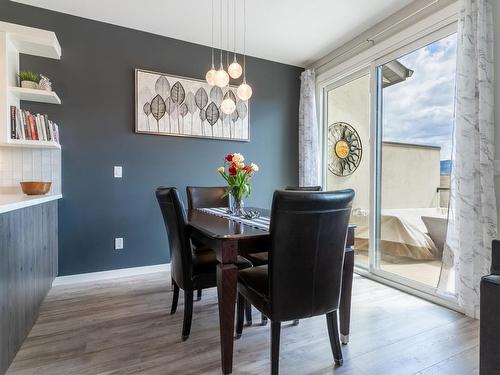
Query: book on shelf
[[32, 127]]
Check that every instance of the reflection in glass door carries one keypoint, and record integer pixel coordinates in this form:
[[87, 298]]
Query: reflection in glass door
[[415, 125], [346, 134]]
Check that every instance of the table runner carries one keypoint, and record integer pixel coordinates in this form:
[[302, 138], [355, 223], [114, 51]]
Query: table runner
[[261, 222]]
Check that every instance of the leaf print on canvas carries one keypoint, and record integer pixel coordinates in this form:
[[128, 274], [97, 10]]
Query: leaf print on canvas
[[172, 105]]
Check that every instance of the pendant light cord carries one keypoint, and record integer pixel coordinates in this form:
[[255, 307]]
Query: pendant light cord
[[234, 29], [213, 34], [244, 40], [227, 39], [221, 65]]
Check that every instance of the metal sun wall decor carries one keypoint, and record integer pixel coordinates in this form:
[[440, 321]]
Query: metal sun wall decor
[[345, 149], [177, 106]]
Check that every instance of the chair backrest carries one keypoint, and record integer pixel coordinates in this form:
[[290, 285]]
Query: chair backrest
[[308, 237], [207, 196], [303, 188], [174, 216], [495, 257]]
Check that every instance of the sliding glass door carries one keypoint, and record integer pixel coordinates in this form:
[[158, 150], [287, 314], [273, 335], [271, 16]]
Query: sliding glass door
[[415, 102], [388, 135]]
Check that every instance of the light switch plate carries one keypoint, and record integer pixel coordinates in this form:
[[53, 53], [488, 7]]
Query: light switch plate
[[118, 243], [118, 172]]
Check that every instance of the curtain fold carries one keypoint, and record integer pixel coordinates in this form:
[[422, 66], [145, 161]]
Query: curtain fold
[[309, 154], [473, 213]]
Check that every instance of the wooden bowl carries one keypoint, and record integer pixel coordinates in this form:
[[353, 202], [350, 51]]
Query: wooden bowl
[[35, 187]]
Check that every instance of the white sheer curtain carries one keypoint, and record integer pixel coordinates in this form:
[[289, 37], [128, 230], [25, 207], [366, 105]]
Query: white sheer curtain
[[309, 154], [473, 213]]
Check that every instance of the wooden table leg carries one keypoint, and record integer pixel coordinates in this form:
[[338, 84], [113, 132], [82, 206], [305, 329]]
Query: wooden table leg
[[346, 294], [227, 277]]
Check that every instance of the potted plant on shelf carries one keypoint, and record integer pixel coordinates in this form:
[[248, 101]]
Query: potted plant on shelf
[[29, 79], [237, 176]]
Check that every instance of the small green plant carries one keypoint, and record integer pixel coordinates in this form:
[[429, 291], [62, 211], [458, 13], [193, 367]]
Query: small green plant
[[27, 75]]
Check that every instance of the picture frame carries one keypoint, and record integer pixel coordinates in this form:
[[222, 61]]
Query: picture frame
[[171, 105]]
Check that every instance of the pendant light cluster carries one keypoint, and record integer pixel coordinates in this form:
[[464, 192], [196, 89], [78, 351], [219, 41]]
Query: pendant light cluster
[[220, 77]]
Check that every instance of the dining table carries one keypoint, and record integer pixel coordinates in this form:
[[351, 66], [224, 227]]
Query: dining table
[[230, 237]]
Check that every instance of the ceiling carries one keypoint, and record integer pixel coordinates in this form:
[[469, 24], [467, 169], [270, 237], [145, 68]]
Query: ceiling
[[296, 32]]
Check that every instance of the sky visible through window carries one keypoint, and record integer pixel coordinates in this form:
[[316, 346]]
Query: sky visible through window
[[420, 109]]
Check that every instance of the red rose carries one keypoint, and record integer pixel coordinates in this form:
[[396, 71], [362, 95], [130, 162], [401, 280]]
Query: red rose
[[232, 170], [247, 169], [229, 157]]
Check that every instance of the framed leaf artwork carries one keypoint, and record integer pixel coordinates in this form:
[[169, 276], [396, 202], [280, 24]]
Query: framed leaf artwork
[[186, 107]]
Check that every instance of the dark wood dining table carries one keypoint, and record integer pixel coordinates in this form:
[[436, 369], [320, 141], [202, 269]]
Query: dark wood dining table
[[229, 239]]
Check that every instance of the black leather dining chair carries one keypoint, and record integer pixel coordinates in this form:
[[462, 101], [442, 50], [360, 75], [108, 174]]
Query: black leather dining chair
[[189, 270], [489, 324], [261, 258], [304, 275], [205, 197]]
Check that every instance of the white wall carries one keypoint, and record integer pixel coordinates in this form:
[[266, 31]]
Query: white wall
[[410, 176], [350, 103]]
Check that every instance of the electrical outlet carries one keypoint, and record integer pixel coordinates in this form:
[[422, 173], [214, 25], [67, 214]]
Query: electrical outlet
[[118, 243], [118, 172]]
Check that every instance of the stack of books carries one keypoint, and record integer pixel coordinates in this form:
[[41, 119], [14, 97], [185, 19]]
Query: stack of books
[[36, 127]]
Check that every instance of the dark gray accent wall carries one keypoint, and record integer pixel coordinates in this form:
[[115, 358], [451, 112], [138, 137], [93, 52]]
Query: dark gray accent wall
[[95, 80]]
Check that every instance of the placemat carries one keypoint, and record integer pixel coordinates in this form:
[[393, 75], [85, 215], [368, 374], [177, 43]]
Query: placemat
[[261, 222]]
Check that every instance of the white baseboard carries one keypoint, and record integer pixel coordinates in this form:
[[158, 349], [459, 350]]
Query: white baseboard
[[107, 275]]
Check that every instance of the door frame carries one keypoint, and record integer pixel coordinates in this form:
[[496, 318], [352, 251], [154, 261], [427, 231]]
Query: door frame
[[435, 27]]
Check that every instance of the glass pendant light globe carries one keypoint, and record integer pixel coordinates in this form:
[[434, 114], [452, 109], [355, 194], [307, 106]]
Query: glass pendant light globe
[[210, 76], [235, 70], [244, 91], [221, 77], [228, 106]]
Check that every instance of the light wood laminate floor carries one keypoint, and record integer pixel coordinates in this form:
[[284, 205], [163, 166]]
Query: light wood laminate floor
[[123, 326]]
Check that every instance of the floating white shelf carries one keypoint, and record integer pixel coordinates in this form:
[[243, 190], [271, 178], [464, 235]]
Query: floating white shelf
[[31, 41], [34, 95], [14, 40], [33, 144]]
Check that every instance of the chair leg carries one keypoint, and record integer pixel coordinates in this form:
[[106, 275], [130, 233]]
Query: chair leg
[[333, 332], [275, 347], [248, 313], [188, 314], [175, 298], [172, 283], [263, 320], [240, 315], [198, 295], [295, 322]]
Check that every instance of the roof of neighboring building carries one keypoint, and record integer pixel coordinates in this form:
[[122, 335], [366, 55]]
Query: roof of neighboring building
[[394, 72], [389, 143]]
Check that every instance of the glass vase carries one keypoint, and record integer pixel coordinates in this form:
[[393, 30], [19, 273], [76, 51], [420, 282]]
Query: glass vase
[[238, 207]]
